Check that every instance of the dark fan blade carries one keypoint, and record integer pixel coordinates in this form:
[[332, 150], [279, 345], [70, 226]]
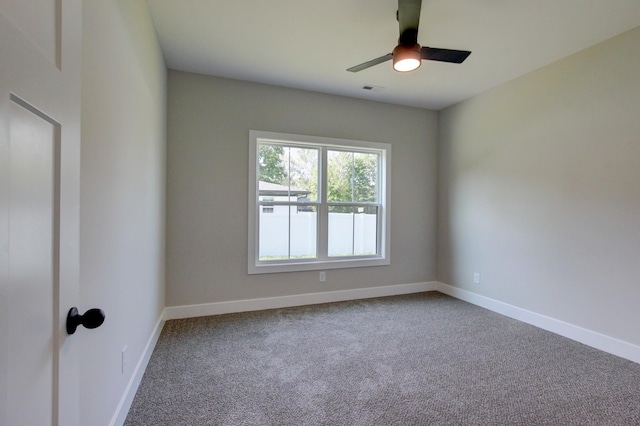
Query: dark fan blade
[[371, 63], [444, 55], [408, 20]]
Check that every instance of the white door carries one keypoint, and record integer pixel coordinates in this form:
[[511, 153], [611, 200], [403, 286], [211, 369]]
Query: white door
[[40, 52]]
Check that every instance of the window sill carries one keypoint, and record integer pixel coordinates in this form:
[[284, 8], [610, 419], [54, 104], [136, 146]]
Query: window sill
[[271, 268]]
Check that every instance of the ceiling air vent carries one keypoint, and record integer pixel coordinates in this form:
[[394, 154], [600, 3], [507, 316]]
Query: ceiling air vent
[[372, 88]]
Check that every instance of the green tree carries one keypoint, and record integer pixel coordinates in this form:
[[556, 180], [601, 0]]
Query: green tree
[[271, 159], [364, 177], [303, 170], [352, 176]]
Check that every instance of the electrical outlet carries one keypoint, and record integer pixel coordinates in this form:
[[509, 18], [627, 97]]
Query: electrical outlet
[[323, 276], [124, 360], [476, 278]]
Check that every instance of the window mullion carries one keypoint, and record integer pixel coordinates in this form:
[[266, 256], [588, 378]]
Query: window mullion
[[353, 233], [289, 207], [323, 210]]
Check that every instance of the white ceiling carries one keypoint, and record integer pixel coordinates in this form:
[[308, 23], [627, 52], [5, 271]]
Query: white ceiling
[[309, 44]]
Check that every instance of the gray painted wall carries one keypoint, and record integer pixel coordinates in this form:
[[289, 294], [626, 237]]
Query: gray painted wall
[[122, 196], [540, 190], [208, 137]]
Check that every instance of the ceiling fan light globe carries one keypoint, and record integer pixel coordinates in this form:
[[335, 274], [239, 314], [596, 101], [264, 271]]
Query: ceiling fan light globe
[[404, 65], [406, 58]]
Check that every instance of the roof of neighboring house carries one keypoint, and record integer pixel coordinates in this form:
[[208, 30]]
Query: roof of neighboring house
[[268, 188]]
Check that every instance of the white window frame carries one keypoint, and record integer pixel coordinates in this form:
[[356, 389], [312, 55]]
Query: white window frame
[[322, 262]]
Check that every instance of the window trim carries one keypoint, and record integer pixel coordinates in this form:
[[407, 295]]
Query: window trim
[[255, 266]]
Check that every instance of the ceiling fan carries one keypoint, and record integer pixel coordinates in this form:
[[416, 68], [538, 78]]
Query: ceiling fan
[[408, 54]]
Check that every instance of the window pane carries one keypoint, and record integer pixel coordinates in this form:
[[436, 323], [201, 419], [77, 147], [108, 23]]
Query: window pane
[[352, 176], [303, 173], [273, 162], [365, 177], [304, 220], [288, 173], [353, 230], [287, 232]]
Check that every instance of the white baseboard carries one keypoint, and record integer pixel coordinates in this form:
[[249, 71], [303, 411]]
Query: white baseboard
[[120, 414], [218, 308], [590, 338]]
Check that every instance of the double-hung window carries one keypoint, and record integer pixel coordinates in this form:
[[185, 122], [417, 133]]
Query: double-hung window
[[317, 203]]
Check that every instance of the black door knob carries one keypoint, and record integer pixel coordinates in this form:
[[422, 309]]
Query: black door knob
[[93, 318]]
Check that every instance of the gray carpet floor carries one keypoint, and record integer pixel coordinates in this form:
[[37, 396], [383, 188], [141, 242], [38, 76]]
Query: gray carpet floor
[[423, 359]]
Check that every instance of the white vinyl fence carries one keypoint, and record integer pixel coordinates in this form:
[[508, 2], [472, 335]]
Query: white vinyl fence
[[349, 234]]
